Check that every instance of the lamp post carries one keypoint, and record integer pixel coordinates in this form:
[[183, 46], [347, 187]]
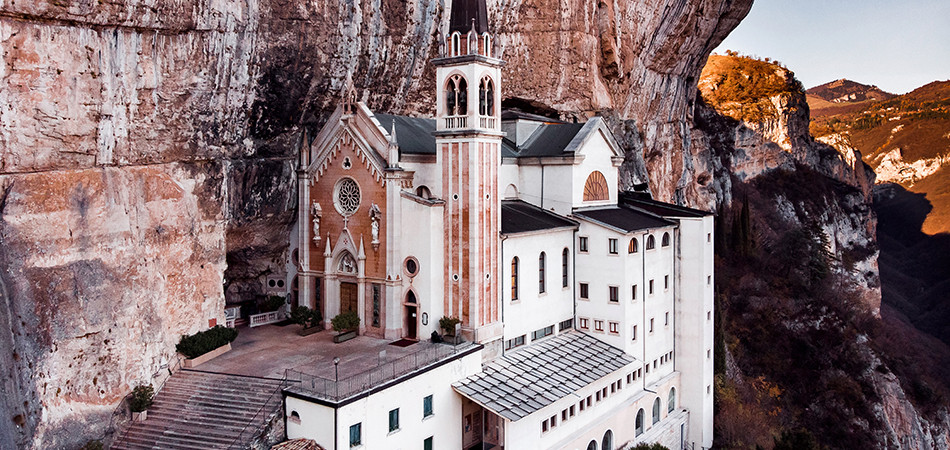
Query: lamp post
[[336, 376]]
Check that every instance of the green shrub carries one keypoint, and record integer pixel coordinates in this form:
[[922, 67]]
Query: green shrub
[[94, 444], [653, 446], [204, 341], [346, 321], [447, 324], [273, 303], [305, 316], [141, 397]]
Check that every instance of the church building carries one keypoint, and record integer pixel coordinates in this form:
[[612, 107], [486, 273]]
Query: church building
[[589, 310]]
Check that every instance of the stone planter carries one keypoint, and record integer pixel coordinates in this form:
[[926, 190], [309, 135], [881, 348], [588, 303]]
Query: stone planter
[[304, 331], [344, 336], [139, 416], [195, 362]]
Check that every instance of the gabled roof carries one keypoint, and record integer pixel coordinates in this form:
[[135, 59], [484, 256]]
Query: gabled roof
[[560, 139], [644, 202], [524, 381], [414, 134], [520, 217], [623, 219]]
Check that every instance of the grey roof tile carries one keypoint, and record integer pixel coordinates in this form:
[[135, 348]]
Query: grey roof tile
[[522, 382]]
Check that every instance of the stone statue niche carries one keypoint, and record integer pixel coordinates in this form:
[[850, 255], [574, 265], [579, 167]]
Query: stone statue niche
[[316, 212], [375, 216]]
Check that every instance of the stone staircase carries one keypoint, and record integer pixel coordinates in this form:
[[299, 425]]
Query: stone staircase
[[203, 410]]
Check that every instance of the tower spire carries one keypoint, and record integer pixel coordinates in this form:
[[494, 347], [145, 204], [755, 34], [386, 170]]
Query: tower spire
[[468, 14]]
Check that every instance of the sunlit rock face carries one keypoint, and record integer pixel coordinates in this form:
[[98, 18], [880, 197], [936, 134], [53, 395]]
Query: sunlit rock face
[[145, 168]]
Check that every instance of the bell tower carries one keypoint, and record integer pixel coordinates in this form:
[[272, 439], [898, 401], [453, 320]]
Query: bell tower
[[468, 147]]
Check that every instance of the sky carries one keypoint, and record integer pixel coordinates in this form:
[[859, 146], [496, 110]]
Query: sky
[[896, 45]]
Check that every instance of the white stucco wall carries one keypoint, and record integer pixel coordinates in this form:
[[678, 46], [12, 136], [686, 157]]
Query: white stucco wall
[[534, 310], [372, 412], [696, 315], [617, 412], [422, 239]]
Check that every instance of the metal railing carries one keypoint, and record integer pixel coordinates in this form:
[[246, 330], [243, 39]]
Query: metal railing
[[121, 429], [350, 385], [272, 403]]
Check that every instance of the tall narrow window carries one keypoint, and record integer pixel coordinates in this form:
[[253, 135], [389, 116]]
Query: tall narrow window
[[486, 97], [427, 406], [651, 242], [564, 262], [541, 261], [514, 278], [612, 246], [656, 411], [582, 244], [456, 96], [666, 240], [356, 435], [394, 419], [633, 293], [614, 294], [376, 300], [427, 444], [639, 422], [583, 291], [671, 403], [633, 246]]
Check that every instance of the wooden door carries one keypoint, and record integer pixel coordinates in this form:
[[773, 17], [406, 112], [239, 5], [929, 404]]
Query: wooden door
[[348, 298], [411, 321]]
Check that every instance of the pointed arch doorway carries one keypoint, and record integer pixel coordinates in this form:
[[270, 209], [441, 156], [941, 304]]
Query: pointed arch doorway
[[411, 310]]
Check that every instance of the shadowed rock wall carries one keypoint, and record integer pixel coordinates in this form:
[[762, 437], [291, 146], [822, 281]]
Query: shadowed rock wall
[[146, 147]]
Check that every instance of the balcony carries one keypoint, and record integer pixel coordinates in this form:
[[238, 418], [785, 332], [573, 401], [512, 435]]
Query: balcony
[[462, 122]]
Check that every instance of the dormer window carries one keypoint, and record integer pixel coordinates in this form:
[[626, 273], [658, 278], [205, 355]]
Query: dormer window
[[486, 97], [456, 96]]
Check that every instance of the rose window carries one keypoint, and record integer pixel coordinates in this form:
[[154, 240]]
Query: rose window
[[347, 197]]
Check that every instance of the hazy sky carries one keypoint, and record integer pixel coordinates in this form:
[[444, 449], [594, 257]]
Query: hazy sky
[[896, 45]]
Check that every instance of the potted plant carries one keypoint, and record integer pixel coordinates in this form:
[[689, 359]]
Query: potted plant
[[346, 324], [206, 345], [140, 401], [308, 318], [447, 324]]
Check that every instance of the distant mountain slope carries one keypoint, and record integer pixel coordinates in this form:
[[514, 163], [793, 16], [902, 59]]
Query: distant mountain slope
[[842, 96], [906, 139]]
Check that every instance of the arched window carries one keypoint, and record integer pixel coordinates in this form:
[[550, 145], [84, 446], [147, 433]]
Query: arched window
[[541, 261], [666, 240], [564, 261], [486, 97], [486, 44], [634, 246], [651, 242], [596, 187], [514, 278], [639, 422], [608, 442], [671, 405], [456, 43], [456, 96], [592, 445], [411, 297], [656, 410]]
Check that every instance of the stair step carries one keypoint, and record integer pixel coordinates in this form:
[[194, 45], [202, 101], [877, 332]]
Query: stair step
[[202, 410]]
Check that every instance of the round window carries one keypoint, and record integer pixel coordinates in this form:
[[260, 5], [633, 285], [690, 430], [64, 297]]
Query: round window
[[412, 266], [346, 196]]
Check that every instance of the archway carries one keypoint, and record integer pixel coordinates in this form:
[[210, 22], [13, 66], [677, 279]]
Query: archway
[[411, 309]]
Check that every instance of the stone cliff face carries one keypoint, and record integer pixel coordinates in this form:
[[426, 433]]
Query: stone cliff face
[[145, 168]]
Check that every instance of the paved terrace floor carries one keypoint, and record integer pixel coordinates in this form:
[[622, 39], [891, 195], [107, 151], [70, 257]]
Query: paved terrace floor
[[269, 350]]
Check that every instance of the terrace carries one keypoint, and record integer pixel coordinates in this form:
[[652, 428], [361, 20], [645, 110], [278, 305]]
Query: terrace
[[363, 363]]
